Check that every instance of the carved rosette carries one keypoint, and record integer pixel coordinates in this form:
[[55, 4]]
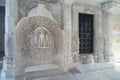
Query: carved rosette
[[38, 39]]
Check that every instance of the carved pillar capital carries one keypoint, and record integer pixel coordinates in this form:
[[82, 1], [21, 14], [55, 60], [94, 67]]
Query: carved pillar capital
[[111, 7], [68, 2]]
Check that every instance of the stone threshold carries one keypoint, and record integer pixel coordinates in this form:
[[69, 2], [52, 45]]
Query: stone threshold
[[86, 68]]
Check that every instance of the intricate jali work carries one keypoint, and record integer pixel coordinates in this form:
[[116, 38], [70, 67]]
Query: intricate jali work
[[37, 39]]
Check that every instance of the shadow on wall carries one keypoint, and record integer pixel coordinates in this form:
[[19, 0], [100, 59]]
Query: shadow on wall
[[2, 31], [2, 2]]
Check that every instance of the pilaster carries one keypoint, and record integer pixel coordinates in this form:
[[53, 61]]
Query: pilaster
[[67, 11], [107, 17], [11, 18]]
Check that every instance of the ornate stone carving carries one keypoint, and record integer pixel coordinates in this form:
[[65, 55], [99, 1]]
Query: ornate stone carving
[[8, 67], [100, 42], [41, 38], [89, 59], [38, 40], [116, 27], [86, 58], [75, 43], [101, 58], [95, 56], [111, 6]]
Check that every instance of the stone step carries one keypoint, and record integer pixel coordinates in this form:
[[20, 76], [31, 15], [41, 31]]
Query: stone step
[[42, 71], [59, 77], [116, 54], [93, 67], [117, 60], [116, 57]]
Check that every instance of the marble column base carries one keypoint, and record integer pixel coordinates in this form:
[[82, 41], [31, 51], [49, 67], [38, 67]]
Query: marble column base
[[8, 68]]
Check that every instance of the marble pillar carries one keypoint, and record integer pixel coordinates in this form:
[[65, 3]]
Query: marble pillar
[[11, 18], [67, 11], [107, 34]]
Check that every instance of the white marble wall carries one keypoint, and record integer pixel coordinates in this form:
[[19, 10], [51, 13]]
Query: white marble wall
[[116, 36], [65, 13]]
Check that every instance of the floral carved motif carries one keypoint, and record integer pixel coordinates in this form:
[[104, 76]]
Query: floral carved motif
[[37, 39]]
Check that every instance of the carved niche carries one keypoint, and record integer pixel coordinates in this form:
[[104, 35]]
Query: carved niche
[[41, 38], [38, 40]]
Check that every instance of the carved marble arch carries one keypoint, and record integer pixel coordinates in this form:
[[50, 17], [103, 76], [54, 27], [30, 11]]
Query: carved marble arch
[[38, 40]]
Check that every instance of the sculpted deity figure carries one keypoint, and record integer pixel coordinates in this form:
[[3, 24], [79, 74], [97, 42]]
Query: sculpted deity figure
[[41, 39]]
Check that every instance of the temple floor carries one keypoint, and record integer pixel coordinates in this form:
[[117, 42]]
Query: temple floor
[[112, 74]]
